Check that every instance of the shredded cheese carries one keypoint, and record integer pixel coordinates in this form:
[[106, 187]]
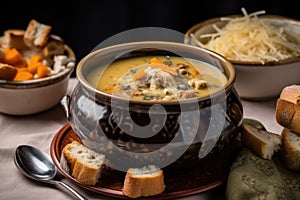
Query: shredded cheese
[[248, 38]]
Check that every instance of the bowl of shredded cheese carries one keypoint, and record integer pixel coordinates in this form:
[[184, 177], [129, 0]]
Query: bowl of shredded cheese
[[264, 50]]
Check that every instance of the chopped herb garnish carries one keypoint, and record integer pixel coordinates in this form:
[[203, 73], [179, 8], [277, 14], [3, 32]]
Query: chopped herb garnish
[[183, 87], [169, 63], [133, 71], [126, 87], [150, 97]]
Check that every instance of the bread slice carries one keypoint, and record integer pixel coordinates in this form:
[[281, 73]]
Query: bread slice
[[37, 34], [143, 182], [14, 38], [54, 46], [261, 142], [291, 149], [288, 108], [7, 72], [85, 164]]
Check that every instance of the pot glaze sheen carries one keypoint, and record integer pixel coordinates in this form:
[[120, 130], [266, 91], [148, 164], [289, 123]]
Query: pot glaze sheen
[[167, 134]]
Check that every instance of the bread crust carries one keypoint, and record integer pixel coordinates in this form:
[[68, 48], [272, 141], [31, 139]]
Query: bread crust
[[14, 38], [143, 185], [263, 143], [78, 158], [53, 47], [86, 174], [37, 34], [7, 72], [288, 108], [291, 149]]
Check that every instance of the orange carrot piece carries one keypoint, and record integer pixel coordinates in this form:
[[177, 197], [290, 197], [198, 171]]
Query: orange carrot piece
[[109, 88], [155, 60], [34, 63], [181, 67], [12, 56], [23, 69], [35, 59], [5, 50], [42, 71], [32, 67], [139, 75], [137, 93], [194, 72], [23, 76], [163, 67]]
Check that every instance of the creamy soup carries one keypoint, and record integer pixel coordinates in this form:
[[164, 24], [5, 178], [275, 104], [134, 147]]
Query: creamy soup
[[163, 78]]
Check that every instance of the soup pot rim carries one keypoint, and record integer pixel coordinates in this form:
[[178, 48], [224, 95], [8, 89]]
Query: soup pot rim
[[229, 71]]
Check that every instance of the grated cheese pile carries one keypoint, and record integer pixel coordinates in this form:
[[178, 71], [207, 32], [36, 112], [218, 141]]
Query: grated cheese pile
[[249, 38]]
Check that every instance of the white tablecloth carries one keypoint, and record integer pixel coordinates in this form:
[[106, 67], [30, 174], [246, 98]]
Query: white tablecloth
[[38, 130]]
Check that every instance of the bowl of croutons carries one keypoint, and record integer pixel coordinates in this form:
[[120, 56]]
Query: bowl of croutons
[[35, 67]]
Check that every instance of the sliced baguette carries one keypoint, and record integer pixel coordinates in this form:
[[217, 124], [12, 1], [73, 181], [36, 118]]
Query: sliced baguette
[[7, 72], [261, 142], [288, 108], [85, 164], [37, 34], [54, 46], [143, 182], [291, 149], [14, 38]]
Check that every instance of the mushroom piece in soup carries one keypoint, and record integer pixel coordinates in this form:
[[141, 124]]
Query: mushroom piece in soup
[[162, 78]]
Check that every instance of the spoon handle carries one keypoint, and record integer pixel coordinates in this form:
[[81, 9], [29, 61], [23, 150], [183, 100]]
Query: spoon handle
[[73, 191]]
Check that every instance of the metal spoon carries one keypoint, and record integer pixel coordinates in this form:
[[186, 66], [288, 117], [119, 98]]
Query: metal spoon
[[38, 165]]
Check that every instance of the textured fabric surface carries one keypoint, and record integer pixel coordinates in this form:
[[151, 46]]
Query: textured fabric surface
[[252, 177]]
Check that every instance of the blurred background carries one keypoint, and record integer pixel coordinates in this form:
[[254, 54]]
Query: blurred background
[[85, 24]]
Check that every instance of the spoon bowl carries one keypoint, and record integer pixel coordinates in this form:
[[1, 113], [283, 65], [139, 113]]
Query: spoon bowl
[[37, 165]]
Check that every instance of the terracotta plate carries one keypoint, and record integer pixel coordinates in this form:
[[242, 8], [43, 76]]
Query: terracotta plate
[[179, 184]]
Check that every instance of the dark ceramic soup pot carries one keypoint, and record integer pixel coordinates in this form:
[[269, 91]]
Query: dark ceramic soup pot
[[134, 133]]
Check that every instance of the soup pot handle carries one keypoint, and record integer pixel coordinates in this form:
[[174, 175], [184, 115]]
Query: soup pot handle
[[65, 102]]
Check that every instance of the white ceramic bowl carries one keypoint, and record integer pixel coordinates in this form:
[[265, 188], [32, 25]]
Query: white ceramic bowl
[[256, 81], [34, 96]]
